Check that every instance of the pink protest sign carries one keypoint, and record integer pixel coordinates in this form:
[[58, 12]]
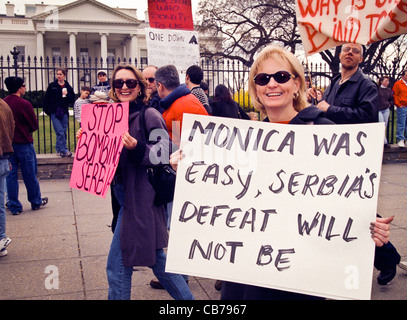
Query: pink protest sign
[[99, 147]]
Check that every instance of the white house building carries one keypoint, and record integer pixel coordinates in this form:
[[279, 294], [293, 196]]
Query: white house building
[[82, 28], [78, 31]]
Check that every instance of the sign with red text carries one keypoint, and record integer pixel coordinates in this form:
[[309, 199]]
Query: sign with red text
[[170, 14], [98, 150], [278, 206], [324, 24]]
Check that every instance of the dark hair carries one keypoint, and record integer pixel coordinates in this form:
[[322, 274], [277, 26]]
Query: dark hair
[[195, 74], [204, 86], [84, 88], [382, 78], [167, 76], [63, 70], [222, 94]]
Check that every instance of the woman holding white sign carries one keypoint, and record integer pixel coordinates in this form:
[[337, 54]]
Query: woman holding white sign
[[140, 232], [277, 88]]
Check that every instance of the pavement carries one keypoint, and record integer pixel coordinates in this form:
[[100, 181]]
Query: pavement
[[59, 252]]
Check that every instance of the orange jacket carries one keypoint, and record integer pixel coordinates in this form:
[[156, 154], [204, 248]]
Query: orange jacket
[[400, 94], [173, 115]]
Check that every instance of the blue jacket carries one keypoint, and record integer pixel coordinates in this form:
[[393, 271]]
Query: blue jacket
[[355, 101], [178, 92]]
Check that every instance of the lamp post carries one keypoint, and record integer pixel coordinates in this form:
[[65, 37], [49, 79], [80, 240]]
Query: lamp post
[[15, 54]]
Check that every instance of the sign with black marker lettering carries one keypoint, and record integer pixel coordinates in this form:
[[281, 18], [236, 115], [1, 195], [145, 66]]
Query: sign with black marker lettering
[[98, 150], [279, 206], [177, 47]]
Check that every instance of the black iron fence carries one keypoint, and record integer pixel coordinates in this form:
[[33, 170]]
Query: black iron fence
[[38, 73]]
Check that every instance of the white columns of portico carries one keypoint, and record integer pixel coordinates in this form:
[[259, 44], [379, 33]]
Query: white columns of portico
[[40, 45], [103, 48], [133, 48], [40, 54], [72, 46], [72, 55]]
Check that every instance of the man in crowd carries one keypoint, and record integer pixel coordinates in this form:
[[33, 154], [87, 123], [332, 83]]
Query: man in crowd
[[353, 97], [24, 156], [6, 150], [103, 84], [400, 100], [154, 99], [176, 99], [193, 78]]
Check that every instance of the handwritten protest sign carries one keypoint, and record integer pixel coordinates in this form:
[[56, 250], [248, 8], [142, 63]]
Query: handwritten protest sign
[[176, 47], [170, 14], [278, 206], [324, 24], [99, 147]]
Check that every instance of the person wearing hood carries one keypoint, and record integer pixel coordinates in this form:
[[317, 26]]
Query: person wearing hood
[[176, 99]]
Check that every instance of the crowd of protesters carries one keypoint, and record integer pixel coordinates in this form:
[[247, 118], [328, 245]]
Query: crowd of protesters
[[140, 228]]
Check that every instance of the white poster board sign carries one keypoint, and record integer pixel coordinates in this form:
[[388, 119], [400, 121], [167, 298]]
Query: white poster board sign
[[176, 47], [279, 206]]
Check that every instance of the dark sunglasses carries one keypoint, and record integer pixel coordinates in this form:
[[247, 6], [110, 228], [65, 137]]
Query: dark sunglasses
[[130, 83], [151, 80], [263, 79]]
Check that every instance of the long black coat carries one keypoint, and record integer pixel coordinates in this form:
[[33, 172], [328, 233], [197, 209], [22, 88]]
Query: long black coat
[[143, 227]]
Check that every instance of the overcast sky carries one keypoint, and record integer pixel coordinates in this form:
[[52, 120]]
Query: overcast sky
[[140, 5]]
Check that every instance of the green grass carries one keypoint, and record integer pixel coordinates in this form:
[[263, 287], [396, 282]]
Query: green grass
[[44, 137]]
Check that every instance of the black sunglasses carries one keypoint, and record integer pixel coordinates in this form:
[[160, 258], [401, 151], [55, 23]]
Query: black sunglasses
[[263, 79], [151, 80], [130, 83]]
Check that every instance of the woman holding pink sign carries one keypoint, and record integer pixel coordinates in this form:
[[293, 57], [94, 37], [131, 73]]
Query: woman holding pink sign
[[140, 232]]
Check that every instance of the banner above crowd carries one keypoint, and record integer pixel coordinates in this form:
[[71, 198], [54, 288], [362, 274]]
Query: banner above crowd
[[325, 24], [170, 14]]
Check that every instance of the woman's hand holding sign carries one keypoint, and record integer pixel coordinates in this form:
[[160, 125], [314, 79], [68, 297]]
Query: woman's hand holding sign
[[380, 230], [129, 142], [175, 158]]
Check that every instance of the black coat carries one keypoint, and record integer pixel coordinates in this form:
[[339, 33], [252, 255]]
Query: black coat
[[228, 110], [143, 227], [355, 101], [54, 101]]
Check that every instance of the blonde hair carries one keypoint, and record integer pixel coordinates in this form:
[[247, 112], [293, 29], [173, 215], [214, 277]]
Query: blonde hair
[[277, 53], [143, 97]]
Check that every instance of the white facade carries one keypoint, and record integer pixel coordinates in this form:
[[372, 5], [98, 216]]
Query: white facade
[[83, 28]]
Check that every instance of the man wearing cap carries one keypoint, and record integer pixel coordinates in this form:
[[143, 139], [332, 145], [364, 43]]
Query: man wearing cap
[[24, 154], [103, 84], [6, 150]]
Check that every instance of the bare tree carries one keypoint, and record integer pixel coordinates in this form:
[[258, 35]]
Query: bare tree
[[246, 26]]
